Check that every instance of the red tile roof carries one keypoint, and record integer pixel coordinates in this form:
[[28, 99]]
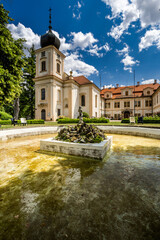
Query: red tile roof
[[82, 80], [116, 92]]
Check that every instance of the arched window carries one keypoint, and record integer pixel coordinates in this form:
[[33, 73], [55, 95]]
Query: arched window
[[148, 92], [107, 95], [43, 94], [83, 100], [43, 114], [43, 66], [58, 67]]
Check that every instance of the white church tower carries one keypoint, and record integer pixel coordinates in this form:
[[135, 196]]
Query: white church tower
[[57, 93], [49, 77]]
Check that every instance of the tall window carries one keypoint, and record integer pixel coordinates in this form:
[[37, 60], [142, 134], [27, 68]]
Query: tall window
[[59, 112], [148, 103], [43, 94], [58, 67], [137, 103], [83, 100], [126, 93], [126, 104], [107, 105], [117, 105], [95, 100], [59, 96], [148, 92], [43, 66]]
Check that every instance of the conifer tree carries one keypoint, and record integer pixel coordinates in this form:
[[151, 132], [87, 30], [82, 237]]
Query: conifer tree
[[11, 61]]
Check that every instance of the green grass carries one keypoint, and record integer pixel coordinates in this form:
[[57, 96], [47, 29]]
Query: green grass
[[47, 124]]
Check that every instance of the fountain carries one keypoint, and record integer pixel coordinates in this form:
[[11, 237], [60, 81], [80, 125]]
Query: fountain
[[82, 140]]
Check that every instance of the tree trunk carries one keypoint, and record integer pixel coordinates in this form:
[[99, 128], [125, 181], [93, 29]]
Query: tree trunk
[[16, 108]]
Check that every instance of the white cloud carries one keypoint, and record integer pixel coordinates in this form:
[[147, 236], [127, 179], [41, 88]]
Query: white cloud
[[20, 31], [81, 40], [149, 81], [127, 60], [125, 50], [129, 11], [151, 37], [73, 59], [108, 86], [74, 63], [79, 5], [76, 10]]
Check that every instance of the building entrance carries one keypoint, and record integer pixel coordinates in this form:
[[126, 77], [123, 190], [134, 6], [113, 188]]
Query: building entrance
[[43, 114], [126, 114]]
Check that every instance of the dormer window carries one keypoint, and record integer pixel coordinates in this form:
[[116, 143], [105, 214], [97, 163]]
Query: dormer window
[[107, 95], [43, 54], [126, 93], [148, 92], [58, 68], [43, 66]]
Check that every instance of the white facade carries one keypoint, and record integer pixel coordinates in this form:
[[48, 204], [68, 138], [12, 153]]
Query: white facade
[[58, 93]]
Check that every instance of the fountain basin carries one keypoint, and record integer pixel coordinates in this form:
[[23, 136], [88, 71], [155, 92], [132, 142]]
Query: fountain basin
[[92, 150]]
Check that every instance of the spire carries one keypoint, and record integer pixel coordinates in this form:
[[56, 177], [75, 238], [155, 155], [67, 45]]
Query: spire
[[50, 27]]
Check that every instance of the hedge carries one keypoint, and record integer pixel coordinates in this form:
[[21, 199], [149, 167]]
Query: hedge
[[86, 120], [5, 122], [67, 120], [155, 119], [33, 121], [5, 116], [151, 119], [125, 120]]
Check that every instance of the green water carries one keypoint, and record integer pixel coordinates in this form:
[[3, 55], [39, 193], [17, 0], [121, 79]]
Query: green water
[[45, 196]]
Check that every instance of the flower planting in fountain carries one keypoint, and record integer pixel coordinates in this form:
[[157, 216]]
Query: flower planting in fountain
[[81, 133]]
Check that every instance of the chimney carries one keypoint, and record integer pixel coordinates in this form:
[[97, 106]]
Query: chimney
[[117, 85], [155, 81], [138, 83], [104, 87]]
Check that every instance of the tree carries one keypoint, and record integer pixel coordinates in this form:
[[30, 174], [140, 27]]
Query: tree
[[27, 97], [11, 61]]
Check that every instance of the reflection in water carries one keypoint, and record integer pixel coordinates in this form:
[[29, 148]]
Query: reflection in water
[[52, 196]]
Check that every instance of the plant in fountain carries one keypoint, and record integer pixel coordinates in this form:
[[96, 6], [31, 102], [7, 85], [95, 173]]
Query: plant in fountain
[[81, 133]]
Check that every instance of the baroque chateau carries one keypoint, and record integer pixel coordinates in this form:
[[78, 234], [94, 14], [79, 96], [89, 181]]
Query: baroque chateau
[[58, 93]]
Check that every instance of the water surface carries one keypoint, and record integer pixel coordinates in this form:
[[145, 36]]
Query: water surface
[[51, 196]]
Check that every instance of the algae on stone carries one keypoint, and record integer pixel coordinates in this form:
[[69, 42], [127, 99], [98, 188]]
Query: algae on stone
[[81, 133]]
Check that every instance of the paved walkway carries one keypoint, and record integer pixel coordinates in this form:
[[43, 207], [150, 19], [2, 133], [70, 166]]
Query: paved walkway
[[134, 131]]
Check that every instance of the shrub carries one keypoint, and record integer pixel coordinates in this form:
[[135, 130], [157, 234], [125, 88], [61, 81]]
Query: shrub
[[155, 119], [85, 115], [67, 120], [60, 117], [5, 122], [96, 120], [35, 121], [5, 116], [86, 120], [125, 120]]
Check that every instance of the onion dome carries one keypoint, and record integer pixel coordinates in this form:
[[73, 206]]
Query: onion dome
[[49, 38]]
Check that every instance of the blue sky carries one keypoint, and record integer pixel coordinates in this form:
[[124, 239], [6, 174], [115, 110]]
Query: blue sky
[[107, 37]]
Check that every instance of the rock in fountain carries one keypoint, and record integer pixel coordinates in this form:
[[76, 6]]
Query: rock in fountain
[[82, 140]]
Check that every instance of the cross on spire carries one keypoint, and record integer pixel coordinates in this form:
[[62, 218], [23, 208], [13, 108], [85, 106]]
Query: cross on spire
[[50, 15]]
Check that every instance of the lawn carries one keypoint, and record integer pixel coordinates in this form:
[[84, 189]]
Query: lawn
[[48, 124]]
